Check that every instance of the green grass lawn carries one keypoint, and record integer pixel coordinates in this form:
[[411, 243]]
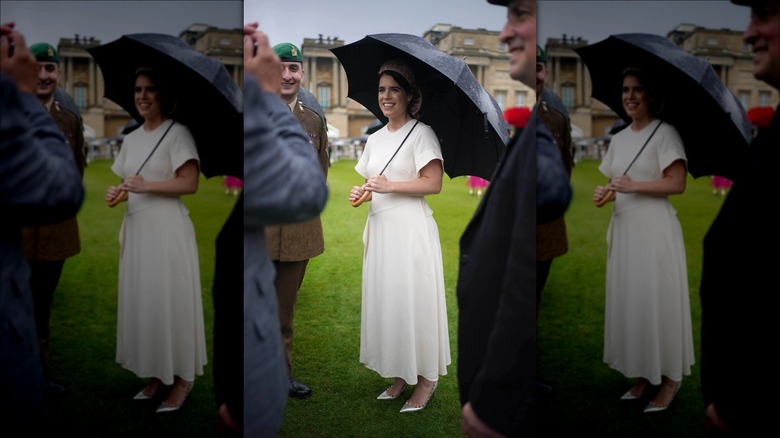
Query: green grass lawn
[[327, 327]]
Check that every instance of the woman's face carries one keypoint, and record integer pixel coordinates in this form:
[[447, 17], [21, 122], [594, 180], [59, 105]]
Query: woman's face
[[635, 101], [147, 98], [393, 99]]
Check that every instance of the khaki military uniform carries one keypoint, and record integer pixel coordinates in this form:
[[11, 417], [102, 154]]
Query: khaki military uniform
[[291, 246], [302, 241], [551, 241], [61, 240]]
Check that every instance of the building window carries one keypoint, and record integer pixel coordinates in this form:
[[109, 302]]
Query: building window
[[712, 41], [567, 95], [763, 98], [324, 93], [746, 47], [225, 41], [501, 99], [80, 96], [468, 41], [502, 47], [744, 98], [520, 99]]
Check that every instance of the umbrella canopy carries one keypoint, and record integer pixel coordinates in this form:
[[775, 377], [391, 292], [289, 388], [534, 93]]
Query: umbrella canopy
[[466, 119], [708, 117], [208, 102], [308, 100], [374, 126]]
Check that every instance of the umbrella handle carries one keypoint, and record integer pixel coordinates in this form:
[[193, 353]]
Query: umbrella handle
[[362, 199], [608, 197], [122, 196]]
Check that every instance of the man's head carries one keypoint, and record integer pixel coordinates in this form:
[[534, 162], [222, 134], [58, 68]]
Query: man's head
[[519, 34], [763, 34], [48, 69], [292, 70], [541, 70]]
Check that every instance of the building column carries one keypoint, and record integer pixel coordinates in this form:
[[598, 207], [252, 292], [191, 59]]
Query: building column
[[557, 76], [91, 96], [69, 81], [580, 83], [335, 89]]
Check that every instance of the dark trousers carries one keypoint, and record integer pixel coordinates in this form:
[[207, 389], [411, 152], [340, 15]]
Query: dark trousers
[[44, 277], [289, 277]]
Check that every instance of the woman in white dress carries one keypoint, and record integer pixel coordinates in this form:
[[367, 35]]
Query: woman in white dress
[[647, 332], [160, 332], [403, 329]]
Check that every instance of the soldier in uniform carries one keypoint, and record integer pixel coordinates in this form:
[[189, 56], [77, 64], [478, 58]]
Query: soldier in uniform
[[291, 246], [47, 246], [551, 239]]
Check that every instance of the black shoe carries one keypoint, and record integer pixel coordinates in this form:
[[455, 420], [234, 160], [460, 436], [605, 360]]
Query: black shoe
[[298, 389]]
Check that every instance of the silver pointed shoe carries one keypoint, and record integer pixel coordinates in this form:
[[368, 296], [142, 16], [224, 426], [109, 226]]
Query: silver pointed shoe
[[386, 395], [411, 408], [170, 408]]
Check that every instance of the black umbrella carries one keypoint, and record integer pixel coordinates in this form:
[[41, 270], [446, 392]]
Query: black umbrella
[[467, 120], [208, 100], [308, 100], [130, 126], [709, 118], [374, 126]]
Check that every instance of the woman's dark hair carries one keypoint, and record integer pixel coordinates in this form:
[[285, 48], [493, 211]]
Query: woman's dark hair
[[163, 84], [655, 98]]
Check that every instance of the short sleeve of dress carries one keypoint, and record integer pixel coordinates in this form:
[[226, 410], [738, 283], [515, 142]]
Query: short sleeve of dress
[[362, 166], [426, 148], [670, 148], [119, 163], [182, 147]]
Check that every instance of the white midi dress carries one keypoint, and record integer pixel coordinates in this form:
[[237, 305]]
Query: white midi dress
[[647, 329], [160, 331], [403, 328]]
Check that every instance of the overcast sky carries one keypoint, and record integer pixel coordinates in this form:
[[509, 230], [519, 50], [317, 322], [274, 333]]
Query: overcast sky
[[48, 21], [351, 20], [596, 20]]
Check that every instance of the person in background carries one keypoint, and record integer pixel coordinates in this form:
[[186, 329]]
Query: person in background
[[292, 245], [497, 277], [740, 262], [47, 246], [39, 183], [275, 146]]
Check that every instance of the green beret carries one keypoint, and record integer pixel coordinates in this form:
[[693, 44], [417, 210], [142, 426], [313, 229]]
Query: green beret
[[44, 52], [541, 55], [288, 52]]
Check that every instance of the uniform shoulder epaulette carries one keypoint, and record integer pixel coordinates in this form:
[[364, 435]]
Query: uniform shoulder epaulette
[[322, 119]]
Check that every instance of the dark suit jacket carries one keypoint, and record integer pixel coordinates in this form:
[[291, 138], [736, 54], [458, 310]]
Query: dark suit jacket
[[496, 284], [738, 283], [275, 148], [39, 183]]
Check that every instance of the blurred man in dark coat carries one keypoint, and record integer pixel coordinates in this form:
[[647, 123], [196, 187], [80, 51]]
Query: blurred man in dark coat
[[740, 265], [39, 183], [497, 277], [275, 147], [47, 246]]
